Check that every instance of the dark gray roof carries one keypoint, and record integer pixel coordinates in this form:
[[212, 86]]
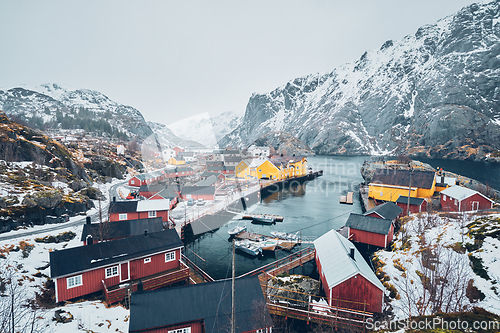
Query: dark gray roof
[[387, 210], [420, 179], [368, 223], [154, 188], [232, 158], [209, 302], [82, 258], [128, 206], [216, 168], [209, 181], [212, 163], [198, 190], [121, 229], [413, 201], [206, 174], [169, 192]]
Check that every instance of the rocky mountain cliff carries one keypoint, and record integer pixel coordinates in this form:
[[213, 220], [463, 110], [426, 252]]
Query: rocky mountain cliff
[[54, 106], [435, 93], [167, 139]]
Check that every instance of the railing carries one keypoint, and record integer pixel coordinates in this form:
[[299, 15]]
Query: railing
[[283, 261], [198, 270]]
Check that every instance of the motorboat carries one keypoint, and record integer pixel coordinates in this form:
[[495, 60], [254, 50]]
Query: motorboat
[[285, 236], [264, 219], [248, 247], [268, 244], [236, 230]]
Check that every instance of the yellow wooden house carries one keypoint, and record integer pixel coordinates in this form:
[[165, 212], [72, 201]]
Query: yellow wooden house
[[277, 168], [175, 161], [389, 184]]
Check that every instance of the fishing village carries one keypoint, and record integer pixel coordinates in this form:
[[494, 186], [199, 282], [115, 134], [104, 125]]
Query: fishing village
[[140, 250]]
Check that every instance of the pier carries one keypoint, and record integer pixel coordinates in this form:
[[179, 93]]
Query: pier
[[282, 244], [347, 199]]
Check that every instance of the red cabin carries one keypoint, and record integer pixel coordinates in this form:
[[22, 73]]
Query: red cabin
[[346, 278], [200, 308], [462, 199], [98, 232], [370, 230], [387, 210], [152, 258], [417, 205], [198, 192], [142, 209]]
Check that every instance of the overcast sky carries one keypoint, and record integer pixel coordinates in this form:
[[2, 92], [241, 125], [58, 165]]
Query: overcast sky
[[173, 59]]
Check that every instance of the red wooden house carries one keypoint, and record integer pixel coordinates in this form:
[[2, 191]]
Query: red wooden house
[[149, 190], [110, 267], [346, 278], [462, 199], [177, 172], [370, 230], [142, 209], [198, 192], [98, 232], [201, 308], [387, 210], [178, 149], [224, 169], [417, 205]]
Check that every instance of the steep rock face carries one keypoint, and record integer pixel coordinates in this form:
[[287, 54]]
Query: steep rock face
[[284, 143], [435, 93], [53, 106]]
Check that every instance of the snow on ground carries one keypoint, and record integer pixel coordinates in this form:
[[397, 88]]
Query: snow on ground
[[442, 233]]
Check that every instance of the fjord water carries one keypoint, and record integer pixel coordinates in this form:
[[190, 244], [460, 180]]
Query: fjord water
[[312, 209]]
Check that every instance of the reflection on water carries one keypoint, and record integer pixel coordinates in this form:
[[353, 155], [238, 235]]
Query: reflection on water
[[293, 191]]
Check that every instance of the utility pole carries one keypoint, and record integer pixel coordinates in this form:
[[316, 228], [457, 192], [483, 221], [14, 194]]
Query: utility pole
[[233, 326]]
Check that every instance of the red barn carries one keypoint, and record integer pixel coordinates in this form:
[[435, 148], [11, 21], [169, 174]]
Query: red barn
[[98, 232], [201, 308], [142, 209], [152, 258], [462, 199], [417, 205], [346, 278], [370, 230]]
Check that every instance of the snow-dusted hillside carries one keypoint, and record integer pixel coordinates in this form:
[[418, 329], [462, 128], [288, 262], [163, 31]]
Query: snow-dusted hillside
[[167, 139], [53, 105], [206, 129], [434, 93]]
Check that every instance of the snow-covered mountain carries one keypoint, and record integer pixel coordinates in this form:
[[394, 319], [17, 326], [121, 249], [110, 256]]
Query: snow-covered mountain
[[206, 129], [53, 105], [434, 93], [167, 139]]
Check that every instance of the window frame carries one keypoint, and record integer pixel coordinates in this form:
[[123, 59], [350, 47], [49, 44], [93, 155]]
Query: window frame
[[147, 260], [181, 330], [170, 256], [152, 213], [121, 215], [111, 270], [75, 279]]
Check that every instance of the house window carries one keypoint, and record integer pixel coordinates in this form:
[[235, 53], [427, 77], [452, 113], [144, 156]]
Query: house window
[[111, 271], [444, 197], [132, 182], [152, 214], [260, 170], [147, 260], [456, 202], [74, 281], [169, 256], [181, 330]]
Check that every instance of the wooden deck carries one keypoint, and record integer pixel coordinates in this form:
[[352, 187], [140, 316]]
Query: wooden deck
[[347, 199]]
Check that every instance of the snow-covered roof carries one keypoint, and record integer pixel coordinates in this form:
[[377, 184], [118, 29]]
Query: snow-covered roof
[[460, 193], [333, 251], [153, 205]]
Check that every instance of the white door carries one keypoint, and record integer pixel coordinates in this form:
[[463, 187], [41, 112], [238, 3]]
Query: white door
[[475, 205]]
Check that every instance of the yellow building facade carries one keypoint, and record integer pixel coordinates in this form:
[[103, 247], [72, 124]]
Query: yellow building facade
[[388, 185]]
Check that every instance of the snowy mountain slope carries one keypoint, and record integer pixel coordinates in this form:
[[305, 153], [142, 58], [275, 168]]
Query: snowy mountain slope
[[205, 128], [168, 139], [434, 93], [49, 104]]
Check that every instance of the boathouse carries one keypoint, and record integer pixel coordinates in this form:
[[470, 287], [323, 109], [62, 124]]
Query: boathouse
[[204, 307], [98, 232], [387, 210], [370, 230], [417, 205], [152, 258], [142, 209], [346, 278], [389, 184], [462, 199]]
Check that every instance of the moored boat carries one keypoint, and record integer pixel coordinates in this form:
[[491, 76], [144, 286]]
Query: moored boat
[[248, 247], [286, 236], [236, 230], [268, 244], [264, 219]]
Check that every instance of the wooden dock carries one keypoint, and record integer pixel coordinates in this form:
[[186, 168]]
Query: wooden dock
[[347, 199]]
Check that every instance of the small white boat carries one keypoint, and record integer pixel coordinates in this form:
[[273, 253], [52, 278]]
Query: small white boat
[[285, 236], [248, 247], [268, 244], [236, 230]]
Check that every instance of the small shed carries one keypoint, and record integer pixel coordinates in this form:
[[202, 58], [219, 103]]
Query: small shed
[[417, 205], [204, 307], [462, 199], [370, 230], [387, 210], [346, 278]]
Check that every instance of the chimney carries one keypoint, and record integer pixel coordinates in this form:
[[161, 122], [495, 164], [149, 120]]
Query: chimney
[[352, 253], [88, 220], [145, 232], [114, 199], [90, 240]]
